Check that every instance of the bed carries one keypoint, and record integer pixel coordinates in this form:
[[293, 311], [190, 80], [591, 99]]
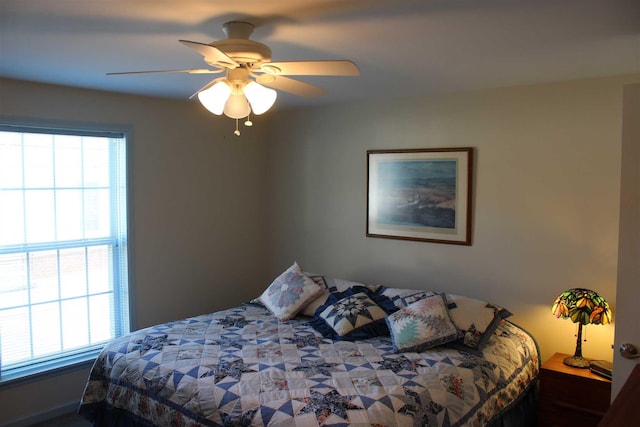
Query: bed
[[322, 362]]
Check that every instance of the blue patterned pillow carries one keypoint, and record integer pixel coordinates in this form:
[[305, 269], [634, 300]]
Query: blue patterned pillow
[[422, 325], [338, 288], [352, 313], [289, 293], [370, 330]]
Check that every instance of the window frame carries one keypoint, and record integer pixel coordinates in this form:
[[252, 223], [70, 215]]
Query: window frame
[[83, 358]]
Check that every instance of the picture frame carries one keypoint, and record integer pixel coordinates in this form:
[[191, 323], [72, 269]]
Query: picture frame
[[420, 194]]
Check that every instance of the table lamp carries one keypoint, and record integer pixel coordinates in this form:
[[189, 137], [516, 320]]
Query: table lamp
[[582, 306]]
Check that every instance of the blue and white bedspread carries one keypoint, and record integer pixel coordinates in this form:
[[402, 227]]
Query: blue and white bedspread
[[241, 367]]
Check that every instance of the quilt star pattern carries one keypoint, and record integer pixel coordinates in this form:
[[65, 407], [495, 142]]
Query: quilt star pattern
[[243, 367]]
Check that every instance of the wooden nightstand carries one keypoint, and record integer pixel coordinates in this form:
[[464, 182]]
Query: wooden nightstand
[[571, 396]]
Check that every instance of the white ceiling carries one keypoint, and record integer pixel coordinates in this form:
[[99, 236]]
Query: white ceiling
[[404, 48]]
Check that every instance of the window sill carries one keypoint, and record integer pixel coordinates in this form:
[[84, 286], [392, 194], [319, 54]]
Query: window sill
[[44, 370]]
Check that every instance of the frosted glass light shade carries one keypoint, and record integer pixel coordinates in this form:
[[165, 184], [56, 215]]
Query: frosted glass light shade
[[237, 107], [261, 98], [215, 98]]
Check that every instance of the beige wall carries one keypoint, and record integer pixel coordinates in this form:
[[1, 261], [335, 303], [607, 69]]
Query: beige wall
[[546, 211], [198, 207]]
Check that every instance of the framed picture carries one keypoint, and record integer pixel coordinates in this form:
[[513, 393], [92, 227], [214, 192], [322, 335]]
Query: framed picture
[[420, 194]]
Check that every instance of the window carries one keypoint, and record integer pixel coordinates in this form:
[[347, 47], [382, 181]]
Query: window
[[63, 246]]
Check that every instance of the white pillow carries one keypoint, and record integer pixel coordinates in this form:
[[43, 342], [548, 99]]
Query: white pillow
[[403, 297], [476, 319], [289, 293]]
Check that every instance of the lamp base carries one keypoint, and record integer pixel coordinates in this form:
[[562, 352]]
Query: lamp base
[[576, 362]]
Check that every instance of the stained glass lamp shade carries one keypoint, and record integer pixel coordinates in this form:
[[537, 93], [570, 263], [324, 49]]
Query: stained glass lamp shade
[[582, 306]]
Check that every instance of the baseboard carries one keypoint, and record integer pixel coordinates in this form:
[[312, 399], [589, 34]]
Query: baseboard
[[43, 416]]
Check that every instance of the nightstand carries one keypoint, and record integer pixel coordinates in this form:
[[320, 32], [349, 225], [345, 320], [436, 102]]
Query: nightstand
[[571, 396]]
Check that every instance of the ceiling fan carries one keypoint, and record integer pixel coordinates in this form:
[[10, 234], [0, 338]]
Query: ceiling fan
[[251, 78]]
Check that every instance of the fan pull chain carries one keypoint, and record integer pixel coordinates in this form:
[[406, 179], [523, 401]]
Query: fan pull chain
[[248, 122], [237, 131]]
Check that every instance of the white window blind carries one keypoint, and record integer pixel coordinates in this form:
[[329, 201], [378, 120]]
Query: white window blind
[[63, 246]]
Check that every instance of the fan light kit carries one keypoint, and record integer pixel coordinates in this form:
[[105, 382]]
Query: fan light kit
[[251, 79]]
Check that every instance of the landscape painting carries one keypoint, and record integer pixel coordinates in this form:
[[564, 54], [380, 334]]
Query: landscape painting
[[421, 194]]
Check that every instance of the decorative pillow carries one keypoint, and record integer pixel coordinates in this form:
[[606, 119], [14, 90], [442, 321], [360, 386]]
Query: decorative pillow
[[476, 319], [404, 297], [339, 287], [310, 309], [320, 280], [373, 329], [289, 293], [351, 313], [422, 325]]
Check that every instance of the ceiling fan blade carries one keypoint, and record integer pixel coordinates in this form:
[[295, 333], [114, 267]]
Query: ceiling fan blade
[[293, 86], [311, 68], [212, 55], [190, 71]]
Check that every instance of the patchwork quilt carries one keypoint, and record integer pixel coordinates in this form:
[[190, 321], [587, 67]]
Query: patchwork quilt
[[243, 367]]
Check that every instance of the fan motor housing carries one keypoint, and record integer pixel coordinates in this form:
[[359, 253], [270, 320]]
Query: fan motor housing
[[244, 51]]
